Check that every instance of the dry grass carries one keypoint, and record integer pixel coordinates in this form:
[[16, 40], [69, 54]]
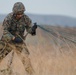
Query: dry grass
[[50, 54]]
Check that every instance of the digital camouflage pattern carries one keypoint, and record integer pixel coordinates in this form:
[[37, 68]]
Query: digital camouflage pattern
[[4, 50], [18, 7], [14, 26]]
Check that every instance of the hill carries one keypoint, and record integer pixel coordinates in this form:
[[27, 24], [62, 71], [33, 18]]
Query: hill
[[57, 20], [2, 16], [52, 52]]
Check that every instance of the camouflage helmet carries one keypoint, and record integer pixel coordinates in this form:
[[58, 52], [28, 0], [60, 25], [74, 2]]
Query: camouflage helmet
[[18, 7]]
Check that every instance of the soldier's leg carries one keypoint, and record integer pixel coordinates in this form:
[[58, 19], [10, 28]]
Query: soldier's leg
[[24, 56], [4, 51]]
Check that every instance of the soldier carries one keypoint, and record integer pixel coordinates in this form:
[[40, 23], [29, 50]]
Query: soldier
[[14, 26]]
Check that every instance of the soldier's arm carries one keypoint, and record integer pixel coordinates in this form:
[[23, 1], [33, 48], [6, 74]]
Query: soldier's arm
[[28, 22], [30, 28], [6, 33]]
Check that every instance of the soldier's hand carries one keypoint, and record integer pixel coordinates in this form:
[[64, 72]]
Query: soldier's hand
[[13, 38], [34, 27], [33, 33]]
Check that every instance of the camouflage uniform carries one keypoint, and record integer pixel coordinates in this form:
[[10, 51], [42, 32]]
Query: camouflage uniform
[[14, 27]]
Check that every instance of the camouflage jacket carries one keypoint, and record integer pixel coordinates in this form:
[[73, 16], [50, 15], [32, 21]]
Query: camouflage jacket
[[12, 26]]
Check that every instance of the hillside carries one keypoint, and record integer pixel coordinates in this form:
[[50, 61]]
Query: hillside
[[56, 20], [52, 52]]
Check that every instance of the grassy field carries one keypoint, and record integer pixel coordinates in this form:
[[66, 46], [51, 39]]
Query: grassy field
[[51, 53]]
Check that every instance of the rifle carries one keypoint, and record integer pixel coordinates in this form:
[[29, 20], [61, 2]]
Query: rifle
[[34, 27], [23, 43], [33, 32]]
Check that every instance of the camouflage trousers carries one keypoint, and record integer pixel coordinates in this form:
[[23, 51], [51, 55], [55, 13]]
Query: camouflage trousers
[[22, 52], [6, 48]]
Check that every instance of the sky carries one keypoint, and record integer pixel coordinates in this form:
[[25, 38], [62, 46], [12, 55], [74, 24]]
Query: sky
[[44, 7]]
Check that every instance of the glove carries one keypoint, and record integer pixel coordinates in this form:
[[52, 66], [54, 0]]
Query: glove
[[18, 40], [33, 32]]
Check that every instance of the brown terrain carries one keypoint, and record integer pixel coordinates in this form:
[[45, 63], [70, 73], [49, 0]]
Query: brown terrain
[[52, 52]]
